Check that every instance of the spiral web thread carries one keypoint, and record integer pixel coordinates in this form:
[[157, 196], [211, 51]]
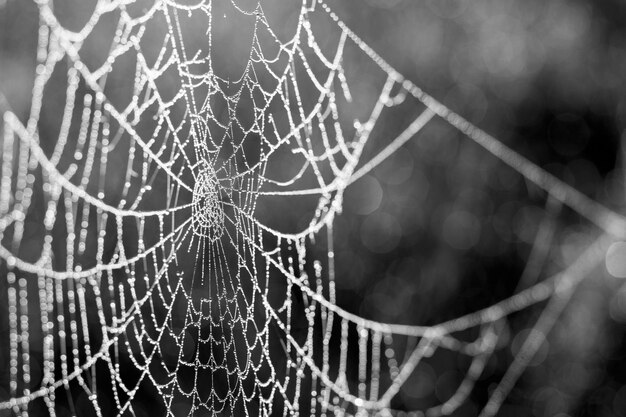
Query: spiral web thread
[[105, 304]]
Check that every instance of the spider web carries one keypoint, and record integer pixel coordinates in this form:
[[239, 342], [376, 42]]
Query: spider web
[[155, 271]]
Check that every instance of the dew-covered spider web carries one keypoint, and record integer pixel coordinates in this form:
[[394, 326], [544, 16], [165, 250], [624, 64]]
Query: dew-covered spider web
[[155, 271]]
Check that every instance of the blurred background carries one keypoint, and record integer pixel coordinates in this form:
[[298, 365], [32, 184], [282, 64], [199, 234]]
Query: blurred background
[[443, 228], [545, 78]]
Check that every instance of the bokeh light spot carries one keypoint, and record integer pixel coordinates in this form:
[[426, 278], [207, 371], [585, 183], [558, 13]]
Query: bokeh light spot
[[616, 260], [461, 230], [364, 196], [380, 233]]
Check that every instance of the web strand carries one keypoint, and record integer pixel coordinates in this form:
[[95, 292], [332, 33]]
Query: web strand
[[200, 301]]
